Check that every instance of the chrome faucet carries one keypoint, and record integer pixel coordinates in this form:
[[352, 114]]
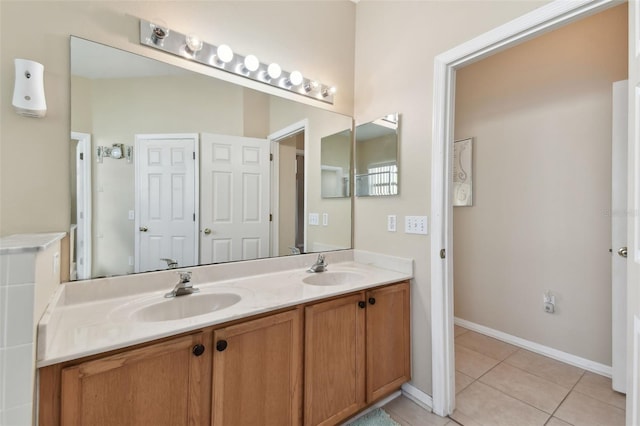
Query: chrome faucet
[[294, 250], [171, 263], [320, 265], [183, 287]]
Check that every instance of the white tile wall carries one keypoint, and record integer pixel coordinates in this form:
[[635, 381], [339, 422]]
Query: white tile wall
[[18, 255], [21, 268], [19, 323], [17, 368], [17, 416], [19, 371]]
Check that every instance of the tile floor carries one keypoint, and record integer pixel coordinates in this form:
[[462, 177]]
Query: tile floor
[[501, 384]]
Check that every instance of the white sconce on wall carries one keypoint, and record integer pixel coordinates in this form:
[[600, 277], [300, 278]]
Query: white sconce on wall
[[158, 36], [115, 151], [28, 91]]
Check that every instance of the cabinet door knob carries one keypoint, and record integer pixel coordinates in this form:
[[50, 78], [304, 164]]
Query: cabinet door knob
[[372, 300], [221, 345], [207, 231], [362, 304], [198, 350], [143, 229]]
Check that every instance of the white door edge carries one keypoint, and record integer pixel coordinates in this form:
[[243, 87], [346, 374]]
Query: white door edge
[[543, 19], [84, 232], [274, 138]]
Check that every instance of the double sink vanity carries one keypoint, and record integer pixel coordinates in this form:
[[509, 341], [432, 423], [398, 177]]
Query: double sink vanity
[[260, 342]]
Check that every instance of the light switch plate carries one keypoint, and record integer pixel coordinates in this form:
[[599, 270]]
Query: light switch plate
[[391, 223], [325, 219], [416, 225], [314, 219]]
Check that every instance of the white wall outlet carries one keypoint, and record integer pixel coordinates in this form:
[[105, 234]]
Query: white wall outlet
[[314, 219], [325, 219], [132, 215], [391, 223], [56, 263], [416, 225], [549, 302]]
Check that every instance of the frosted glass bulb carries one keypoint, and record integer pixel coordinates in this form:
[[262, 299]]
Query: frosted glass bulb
[[295, 78], [225, 54], [274, 70], [251, 63], [332, 90], [194, 43]]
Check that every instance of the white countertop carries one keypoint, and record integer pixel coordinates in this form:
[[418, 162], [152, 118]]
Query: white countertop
[[77, 323]]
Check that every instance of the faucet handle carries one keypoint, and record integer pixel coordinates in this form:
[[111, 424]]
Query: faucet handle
[[321, 258], [171, 263], [185, 276]]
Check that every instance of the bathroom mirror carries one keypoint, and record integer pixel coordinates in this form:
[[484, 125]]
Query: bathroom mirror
[[335, 164], [377, 157], [171, 164]]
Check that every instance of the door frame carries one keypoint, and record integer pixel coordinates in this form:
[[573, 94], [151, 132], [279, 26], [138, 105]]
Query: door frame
[[274, 139], [530, 25], [84, 233], [141, 137]]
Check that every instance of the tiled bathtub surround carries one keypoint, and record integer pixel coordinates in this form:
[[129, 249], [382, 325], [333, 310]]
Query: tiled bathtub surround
[[28, 277]]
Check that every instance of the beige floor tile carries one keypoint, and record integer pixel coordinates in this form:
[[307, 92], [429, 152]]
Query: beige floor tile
[[457, 330], [485, 345], [554, 421], [534, 390], [488, 406], [583, 410], [472, 363], [462, 381], [555, 371], [408, 413], [462, 419], [599, 387]]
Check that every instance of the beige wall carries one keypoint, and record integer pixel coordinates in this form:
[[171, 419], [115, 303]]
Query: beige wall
[[540, 116], [396, 44], [34, 165]]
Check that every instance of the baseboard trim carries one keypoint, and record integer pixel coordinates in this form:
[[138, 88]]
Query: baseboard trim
[[576, 361], [417, 396]]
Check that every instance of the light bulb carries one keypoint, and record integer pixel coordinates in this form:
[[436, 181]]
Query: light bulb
[[159, 31], [274, 70], [329, 91], [251, 63], [295, 78], [312, 85], [194, 43], [224, 53]]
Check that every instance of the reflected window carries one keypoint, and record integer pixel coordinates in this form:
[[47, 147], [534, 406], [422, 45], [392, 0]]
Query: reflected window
[[382, 179]]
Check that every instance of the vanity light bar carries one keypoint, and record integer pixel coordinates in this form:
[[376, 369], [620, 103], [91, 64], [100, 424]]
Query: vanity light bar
[[191, 47]]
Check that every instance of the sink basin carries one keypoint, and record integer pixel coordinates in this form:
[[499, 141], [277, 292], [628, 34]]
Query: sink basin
[[182, 307], [333, 278]]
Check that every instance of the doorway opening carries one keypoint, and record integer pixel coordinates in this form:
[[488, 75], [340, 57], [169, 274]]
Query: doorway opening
[[530, 25], [289, 199]]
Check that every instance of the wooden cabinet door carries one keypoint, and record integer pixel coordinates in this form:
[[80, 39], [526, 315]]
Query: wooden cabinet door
[[334, 360], [161, 384], [257, 372], [388, 340]]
